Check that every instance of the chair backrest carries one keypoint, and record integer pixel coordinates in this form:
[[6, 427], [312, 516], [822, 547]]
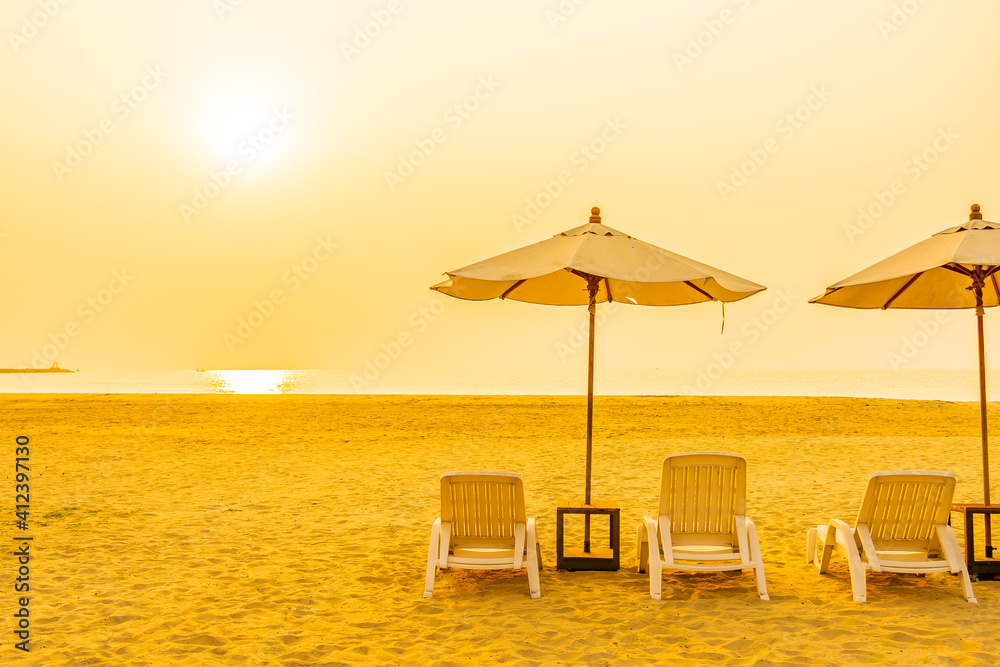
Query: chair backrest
[[482, 505], [703, 492], [906, 506]]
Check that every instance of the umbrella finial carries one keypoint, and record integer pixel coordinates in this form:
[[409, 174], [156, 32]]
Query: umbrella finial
[[595, 215], [975, 214]]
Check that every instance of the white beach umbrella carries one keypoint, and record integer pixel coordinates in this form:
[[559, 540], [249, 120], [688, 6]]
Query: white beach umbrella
[[955, 268], [590, 264]]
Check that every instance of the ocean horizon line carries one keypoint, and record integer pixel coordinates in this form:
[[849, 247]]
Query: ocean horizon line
[[919, 384]]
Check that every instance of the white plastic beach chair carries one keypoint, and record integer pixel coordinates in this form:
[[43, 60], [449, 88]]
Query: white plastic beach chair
[[483, 527], [902, 527], [702, 524]]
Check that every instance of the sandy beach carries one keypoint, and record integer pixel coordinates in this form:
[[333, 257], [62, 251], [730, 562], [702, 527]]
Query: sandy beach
[[293, 530]]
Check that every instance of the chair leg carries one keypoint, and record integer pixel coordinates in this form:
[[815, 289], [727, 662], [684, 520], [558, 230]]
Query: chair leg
[[858, 583], [653, 558], [641, 549], [432, 555], [850, 551], [533, 585], [755, 555], [967, 585], [810, 546], [824, 547], [953, 552], [655, 579]]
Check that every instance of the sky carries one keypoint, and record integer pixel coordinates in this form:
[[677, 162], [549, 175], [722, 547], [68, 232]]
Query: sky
[[260, 184]]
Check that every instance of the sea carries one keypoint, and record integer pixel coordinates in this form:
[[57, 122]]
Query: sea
[[945, 385]]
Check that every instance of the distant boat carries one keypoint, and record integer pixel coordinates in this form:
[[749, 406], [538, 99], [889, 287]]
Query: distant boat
[[199, 370]]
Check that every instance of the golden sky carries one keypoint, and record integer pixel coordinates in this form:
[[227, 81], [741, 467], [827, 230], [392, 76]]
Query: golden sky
[[264, 184]]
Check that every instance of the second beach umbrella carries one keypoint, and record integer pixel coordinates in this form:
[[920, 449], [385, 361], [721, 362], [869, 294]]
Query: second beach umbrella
[[587, 265], [955, 268]]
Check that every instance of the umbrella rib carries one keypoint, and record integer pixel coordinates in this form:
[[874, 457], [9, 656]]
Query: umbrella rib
[[698, 289], [607, 288], [996, 290], [901, 290], [512, 288], [957, 268]]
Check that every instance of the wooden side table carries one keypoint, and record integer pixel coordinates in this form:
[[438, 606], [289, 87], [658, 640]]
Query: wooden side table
[[976, 567], [596, 559]]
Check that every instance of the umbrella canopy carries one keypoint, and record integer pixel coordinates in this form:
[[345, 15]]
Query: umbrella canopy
[[556, 272], [938, 273], [588, 264], [955, 268]]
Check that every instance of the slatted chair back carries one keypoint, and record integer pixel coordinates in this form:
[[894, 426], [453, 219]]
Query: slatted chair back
[[702, 493], [901, 509], [482, 507]]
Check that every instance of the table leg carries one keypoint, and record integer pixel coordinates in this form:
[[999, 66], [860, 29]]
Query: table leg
[[559, 539], [989, 535], [970, 541]]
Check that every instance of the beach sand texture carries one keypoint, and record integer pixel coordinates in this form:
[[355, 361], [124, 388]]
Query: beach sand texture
[[293, 530]]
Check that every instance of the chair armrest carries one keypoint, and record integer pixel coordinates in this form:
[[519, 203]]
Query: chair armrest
[[850, 546], [869, 547], [663, 528], [653, 544], [519, 530], [949, 545], [445, 544]]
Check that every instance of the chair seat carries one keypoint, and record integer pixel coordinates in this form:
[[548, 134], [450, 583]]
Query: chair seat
[[705, 552], [466, 552], [706, 567], [923, 567], [480, 563], [909, 557]]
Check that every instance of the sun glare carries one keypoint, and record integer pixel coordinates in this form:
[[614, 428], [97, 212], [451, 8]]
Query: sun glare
[[244, 127], [250, 382]]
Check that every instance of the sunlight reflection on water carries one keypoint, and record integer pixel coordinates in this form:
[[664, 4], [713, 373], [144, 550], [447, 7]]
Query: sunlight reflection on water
[[253, 381]]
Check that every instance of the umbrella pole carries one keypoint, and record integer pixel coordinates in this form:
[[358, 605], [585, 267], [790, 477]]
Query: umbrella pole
[[982, 419], [592, 286]]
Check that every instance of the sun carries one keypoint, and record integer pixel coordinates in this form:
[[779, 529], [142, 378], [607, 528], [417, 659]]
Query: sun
[[246, 122], [232, 125]]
